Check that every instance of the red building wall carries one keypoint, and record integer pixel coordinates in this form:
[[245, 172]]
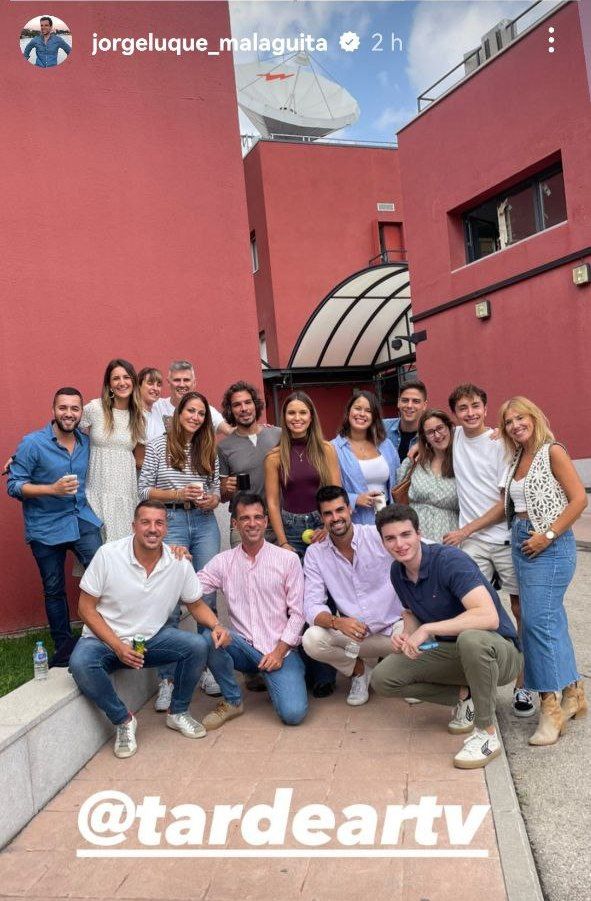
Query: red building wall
[[123, 226], [524, 107], [313, 208]]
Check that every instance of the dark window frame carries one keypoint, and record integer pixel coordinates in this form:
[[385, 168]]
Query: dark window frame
[[534, 182]]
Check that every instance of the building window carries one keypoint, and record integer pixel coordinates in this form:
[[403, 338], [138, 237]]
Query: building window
[[254, 254], [524, 210]]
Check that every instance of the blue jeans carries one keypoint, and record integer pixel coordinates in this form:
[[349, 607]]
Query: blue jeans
[[286, 686], [543, 580], [198, 531], [294, 524], [92, 661], [51, 560]]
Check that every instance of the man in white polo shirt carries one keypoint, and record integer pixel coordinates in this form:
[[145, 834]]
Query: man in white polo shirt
[[129, 589]]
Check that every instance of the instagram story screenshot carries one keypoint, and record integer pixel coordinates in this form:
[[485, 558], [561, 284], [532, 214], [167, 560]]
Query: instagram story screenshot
[[295, 451]]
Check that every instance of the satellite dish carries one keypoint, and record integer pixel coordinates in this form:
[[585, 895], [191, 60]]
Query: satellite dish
[[291, 98]]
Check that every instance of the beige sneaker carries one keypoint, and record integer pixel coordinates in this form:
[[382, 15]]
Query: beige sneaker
[[125, 743], [222, 713]]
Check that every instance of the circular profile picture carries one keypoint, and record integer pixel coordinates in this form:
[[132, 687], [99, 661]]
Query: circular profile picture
[[46, 41]]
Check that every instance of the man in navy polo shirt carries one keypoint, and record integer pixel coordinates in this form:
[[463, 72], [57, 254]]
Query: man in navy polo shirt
[[48, 474], [447, 599]]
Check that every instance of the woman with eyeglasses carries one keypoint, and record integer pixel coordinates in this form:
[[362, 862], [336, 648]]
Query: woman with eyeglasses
[[432, 491]]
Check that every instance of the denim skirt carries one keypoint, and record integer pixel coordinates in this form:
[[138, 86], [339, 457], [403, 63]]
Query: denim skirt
[[543, 580]]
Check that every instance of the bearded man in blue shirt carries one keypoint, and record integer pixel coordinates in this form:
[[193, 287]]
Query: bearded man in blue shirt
[[46, 45], [48, 475]]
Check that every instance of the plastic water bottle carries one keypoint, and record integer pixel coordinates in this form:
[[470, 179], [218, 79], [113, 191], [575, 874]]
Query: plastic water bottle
[[353, 647], [40, 663]]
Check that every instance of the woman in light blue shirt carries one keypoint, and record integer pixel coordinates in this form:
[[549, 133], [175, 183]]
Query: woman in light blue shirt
[[368, 460]]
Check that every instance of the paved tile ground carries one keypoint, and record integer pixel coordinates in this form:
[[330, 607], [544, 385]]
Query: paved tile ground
[[553, 784], [383, 753]]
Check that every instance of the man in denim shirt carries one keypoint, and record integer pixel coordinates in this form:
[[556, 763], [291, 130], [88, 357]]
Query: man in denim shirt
[[48, 474], [46, 45], [412, 403]]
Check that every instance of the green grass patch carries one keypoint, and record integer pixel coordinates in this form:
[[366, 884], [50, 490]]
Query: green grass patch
[[16, 658]]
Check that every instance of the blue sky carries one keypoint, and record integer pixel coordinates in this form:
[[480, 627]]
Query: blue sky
[[435, 34]]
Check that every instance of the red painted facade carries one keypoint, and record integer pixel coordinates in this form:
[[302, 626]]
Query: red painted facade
[[124, 226], [313, 208], [525, 108]]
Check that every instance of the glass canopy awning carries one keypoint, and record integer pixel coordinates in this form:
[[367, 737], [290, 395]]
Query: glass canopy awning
[[353, 326]]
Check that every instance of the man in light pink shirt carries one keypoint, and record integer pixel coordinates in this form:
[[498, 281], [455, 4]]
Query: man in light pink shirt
[[264, 590]]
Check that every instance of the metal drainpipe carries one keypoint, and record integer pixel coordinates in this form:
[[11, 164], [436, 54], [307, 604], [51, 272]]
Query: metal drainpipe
[[276, 405]]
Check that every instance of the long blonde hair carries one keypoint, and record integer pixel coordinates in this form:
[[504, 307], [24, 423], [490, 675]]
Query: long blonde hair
[[202, 452], [137, 423], [315, 448], [542, 432]]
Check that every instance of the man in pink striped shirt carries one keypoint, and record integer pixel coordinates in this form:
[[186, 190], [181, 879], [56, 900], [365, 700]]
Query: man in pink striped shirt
[[264, 590]]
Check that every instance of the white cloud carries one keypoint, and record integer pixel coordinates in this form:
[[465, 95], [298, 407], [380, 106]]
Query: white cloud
[[279, 19], [392, 118], [384, 78], [442, 32]]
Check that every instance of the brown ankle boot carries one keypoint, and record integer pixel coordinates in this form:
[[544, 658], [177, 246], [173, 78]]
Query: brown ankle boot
[[551, 724], [574, 702]]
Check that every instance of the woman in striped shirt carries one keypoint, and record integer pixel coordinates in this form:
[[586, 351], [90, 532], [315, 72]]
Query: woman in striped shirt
[[181, 469]]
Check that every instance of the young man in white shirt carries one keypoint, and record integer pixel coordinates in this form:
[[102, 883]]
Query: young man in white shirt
[[480, 468], [130, 588]]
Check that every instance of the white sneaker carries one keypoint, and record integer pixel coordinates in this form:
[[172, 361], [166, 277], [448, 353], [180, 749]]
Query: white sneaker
[[462, 717], [412, 701], [523, 702], [164, 696], [184, 723], [479, 748], [359, 691], [208, 684], [125, 743]]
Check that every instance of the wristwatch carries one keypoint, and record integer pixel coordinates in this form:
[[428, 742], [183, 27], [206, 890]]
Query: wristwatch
[[550, 535]]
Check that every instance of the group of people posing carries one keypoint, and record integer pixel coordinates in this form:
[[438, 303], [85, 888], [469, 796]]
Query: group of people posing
[[325, 573]]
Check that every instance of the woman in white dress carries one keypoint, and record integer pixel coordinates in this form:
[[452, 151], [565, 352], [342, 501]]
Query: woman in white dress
[[116, 427]]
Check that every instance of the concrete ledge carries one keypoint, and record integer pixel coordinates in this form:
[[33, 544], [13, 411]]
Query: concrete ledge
[[49, 731], [519, 869]]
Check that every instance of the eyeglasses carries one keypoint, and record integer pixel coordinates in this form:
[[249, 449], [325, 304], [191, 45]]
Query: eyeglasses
[[439, 430]]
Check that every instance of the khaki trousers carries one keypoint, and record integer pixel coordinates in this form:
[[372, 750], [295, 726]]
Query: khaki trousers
[[479, 659], [328, 645]]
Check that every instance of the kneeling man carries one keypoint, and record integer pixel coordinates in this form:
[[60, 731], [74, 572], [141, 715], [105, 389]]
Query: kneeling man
[[264, 590], [354, 568], [130, 588], [447, 599]]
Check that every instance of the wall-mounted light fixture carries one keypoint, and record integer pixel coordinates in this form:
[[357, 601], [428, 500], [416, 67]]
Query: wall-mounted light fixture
[[416, 338], [482, 309], [582, 274]]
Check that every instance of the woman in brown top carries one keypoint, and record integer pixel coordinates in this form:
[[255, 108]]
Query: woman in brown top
[[295, 470]]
